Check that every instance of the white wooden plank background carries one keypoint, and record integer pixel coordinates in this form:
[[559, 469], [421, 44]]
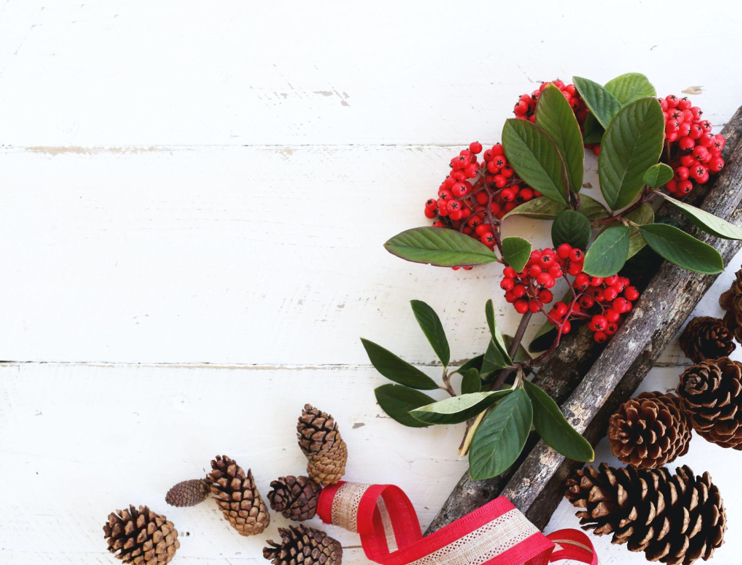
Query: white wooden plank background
[[194, 197]]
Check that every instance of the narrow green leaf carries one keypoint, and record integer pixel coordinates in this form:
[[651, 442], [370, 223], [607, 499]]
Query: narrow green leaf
[[396, 369], [554, 428], [538, 208], [600, 102], [571, 227], [442, 247], [706, 221], [642, 215], [458, 409], [682, 249], [556, 117], [471, 381], [489, 312], [536, 159], [592, 209], [608, 252], [658, 175], [632, 143], [431, 326], [493, 360], [398, 400], [592, 130], [521, 354], [629, 87], [515, 252], [501, 436]]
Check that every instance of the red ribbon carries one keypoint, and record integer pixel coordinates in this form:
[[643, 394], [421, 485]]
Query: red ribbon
[[495, 534]]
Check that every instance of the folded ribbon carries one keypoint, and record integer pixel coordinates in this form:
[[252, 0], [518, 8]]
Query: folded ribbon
[[495, 534]]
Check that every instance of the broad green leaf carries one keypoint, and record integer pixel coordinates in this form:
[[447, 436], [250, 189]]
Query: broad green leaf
[[608, 252], [632, 143], [593, 131], [489, 312], [398, 400], [520, 354], [600, 102], [536, 159], [554, 428], [682, 249], [629, 87], [706, 221], [396, 369], [658, 175], [431, 326], [501, 436], [592, 209], [538, 208], [494, 360], [556, 117], [442, 247], [515, 252], [473, 363], [642, 215], [459, 408], [471, 381], [571, 227]]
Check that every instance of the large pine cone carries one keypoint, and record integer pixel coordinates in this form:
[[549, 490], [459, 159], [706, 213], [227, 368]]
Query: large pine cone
[[295, 497], [711, 394], [706, 338], [731, 301], [188, 493], [649, 431], [321, 442], [238, 497], [141, 536], [303, 546], [671, 518]]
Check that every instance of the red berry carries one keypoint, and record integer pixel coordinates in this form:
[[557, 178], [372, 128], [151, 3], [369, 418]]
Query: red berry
[[475, 147], [566, 327], [599, 322], [576, 255], [564, 250], [534, 306], [631, 293], [521, 306], [600, 337], [545, 296]]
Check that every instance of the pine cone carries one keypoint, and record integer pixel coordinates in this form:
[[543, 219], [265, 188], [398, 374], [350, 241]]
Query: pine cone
[[711, 394], [295, 497], [320, 441], [142, 536], [303, 546], [649, 431], [671, 518], [706, 338], [188, 493], [731, 301], [238, 497]]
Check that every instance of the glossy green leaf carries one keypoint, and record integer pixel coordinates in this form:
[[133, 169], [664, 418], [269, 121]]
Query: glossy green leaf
[[442, 247], [471, 381], [556, 117], [501, 436], [554, 428], [632, 143], [658, 175], [489, 311], [538, 209], [459, 408], [642, 215], [396, 369], [494, 360], [682, 249], [571, 227], [601, 103], [608, 252], [592, 209], [398, 400], [706, 221], [431, 326], [536, 159], [592, 130], [629, 87], [515, 252]]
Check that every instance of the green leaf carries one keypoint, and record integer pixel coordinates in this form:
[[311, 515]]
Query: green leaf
[[600, 102], [592, 209], [632, 143], [608, 252], [642, 215], [706, 221], [629, 87], [556, 117], [554, 428], [494, 359], [395, 369], [471, 381], [398, 400], [521, 354], [593, 131], [459, 408], [536, 159], [538, 208], [431, 326], [658, 175], [682, 249], [515, 252], [501, 436], [473, 363], [489, 312], [571, 227], [442, 247]]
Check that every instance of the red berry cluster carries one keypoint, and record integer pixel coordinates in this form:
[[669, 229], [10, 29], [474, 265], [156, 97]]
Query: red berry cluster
[[691, 149], [530, 289], [525, 108]]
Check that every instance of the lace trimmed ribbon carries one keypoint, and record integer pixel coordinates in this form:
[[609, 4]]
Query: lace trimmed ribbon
[[495, 534]]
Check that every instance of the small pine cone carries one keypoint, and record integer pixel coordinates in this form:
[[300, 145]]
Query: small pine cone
[[188, 493], [295, 497], [675, 519], [711, 394], [321, 442], [731, 301], [141, 536], [706, 338], [303, 546], [238, 497]]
